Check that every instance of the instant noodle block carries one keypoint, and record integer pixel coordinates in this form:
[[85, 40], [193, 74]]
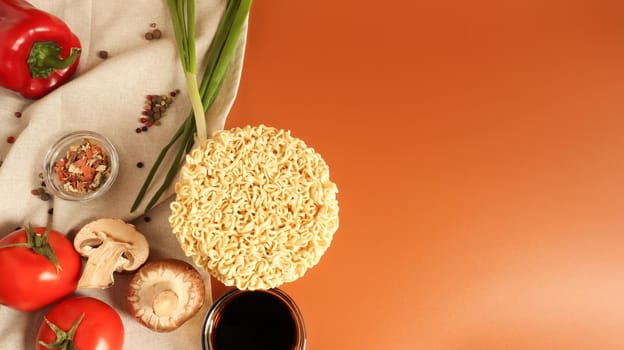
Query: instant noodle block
[[255, 207]]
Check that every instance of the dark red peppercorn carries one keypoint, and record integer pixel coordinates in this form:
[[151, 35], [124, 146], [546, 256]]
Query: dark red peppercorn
[[18, 114], [10, 139], [139, 164], [143, 120], [137, 130], [149, 125]]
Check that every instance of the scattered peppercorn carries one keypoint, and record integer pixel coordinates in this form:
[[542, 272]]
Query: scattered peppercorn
[[147, 219], [10, 139], [157, 34], [149, 36], [155, 108], [102, 54], [153, 25], [51, 211], [137, 130], [41, 193], [43, 184], [139, 164], [18, 114]]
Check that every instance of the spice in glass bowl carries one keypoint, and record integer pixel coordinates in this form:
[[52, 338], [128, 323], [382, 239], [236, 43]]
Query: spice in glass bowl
[[84, 168], [80, 166]]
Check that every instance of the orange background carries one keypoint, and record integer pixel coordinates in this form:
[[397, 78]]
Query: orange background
[[478, 149]]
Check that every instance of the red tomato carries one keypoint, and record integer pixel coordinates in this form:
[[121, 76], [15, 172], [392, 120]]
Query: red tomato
[[31, 281], [100, 328]]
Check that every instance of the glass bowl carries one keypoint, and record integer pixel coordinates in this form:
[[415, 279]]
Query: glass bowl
[[86, 179], [228, 324]]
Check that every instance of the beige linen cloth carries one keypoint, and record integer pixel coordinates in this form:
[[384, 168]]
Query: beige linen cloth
[[107, 96]]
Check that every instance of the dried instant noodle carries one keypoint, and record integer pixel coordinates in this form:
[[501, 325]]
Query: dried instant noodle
[[255, 207]]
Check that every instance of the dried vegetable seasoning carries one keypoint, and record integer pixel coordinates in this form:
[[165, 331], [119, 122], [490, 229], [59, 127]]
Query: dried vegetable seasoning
[[85, 167]]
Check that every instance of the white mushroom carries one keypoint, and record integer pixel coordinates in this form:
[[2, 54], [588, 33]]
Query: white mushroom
[[110, 245], [165, 294]]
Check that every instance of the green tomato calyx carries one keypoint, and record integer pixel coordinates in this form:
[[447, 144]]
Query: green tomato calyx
[[64, 340], [38, 244]]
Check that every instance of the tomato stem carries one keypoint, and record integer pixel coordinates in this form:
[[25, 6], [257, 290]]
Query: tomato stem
[[26, 245], [64, 340], [38, 244]]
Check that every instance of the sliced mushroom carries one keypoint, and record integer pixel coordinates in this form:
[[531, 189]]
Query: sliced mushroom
[[164, 294], [110, 245]]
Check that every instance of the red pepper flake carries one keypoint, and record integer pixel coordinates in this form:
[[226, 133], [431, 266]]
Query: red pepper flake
[[10, 139], [34, 192], [85, 167]]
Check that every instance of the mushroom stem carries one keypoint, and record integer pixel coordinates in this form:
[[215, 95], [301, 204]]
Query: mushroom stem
[[102, 262], [165, 303]]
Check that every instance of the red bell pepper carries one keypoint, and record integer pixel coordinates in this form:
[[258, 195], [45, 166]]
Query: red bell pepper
[[38, 51]]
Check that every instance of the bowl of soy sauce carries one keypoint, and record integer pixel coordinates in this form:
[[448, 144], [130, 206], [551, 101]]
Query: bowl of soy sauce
[[262, 319]]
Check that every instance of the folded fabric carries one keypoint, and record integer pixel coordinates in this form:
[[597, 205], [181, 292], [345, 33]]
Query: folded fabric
[[106, 95]]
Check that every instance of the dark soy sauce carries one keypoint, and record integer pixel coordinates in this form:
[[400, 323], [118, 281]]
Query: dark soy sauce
[[255, 321]]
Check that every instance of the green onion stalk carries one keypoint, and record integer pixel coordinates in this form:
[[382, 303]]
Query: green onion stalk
[[202, 96]]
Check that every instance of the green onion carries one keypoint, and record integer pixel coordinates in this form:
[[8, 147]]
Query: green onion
[[219, 57]]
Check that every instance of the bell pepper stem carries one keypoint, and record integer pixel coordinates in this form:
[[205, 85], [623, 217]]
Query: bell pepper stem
[[60, 63], [45, 58]]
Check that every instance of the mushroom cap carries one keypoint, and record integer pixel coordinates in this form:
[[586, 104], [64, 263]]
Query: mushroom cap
[[94, 234], [164, 294]]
